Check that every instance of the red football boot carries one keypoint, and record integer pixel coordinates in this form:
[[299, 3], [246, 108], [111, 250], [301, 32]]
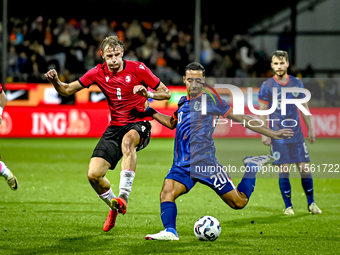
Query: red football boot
[[110, 220], [119, 204]]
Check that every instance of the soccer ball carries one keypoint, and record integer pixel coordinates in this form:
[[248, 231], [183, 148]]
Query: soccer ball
[[207, 228]]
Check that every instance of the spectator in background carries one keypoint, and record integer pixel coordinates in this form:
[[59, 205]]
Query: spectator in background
[[89, 59], [172, 55], [309, 72], [207, 54], [135, 35], [131, 56], [13, 68]]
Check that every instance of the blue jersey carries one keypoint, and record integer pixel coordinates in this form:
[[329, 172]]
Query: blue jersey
[[193, 141], [292, 112]]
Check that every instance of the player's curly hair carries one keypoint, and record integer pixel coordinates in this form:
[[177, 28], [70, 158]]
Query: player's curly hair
[[280, 54], [112, 41], [196, 67]]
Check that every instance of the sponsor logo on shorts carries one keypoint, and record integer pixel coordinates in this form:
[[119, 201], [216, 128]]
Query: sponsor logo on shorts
[[276, 155]]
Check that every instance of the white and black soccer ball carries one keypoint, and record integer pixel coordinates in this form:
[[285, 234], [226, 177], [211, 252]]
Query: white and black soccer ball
[[207, 228]]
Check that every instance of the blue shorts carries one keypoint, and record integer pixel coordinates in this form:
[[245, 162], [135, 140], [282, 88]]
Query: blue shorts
[[219, 181], [288, 153]]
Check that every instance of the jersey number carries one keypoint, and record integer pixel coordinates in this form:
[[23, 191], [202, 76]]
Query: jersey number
[[119, 93], [180, 117], [219, 179]]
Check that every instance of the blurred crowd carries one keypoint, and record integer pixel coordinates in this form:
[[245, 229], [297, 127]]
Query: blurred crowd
[[73, 46]]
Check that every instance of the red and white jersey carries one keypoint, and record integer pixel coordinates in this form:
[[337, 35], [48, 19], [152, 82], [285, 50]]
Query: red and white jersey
[[0, 88], [118, 89]]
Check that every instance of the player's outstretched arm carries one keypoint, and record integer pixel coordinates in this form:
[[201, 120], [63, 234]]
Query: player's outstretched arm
[[2, 103], [258, 128], [64, 89], [308, 121], [161, 93], [165, 120]]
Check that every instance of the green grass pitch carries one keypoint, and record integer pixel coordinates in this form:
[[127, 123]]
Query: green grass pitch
[[55, 210]]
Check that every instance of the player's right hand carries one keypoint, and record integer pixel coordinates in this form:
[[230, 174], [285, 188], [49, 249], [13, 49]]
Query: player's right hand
[[266, 140], [51, 75], [283, 133]]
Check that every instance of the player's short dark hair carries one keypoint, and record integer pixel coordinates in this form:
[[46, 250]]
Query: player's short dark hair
[[194, 66], [113, 42], [280, 54]]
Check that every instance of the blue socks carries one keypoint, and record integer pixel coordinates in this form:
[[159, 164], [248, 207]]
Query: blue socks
[[307, 184], [308, 187], [168, 216], [285, 188], [247, 183]]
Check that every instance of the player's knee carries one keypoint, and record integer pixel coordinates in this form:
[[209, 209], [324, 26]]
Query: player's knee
[[92, 176], [129, 145], [168, 195]]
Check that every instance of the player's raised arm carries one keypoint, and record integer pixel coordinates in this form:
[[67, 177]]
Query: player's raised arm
[[165, 120], [261, 129], [64, 89], [161, 93], [2, 103], [308, 121]]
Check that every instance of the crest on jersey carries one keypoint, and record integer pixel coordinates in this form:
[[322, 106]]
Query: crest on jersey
[[197, 106], [128, 78], [141, 67], [295, 94], [107, 78]]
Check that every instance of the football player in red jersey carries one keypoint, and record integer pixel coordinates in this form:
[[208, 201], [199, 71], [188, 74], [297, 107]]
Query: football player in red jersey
[[124, 83], [4, 171]]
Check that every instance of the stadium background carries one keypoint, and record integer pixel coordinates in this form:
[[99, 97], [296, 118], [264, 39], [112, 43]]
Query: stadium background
[[55, 210]]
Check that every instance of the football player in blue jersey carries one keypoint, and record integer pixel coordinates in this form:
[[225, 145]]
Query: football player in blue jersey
[[194, 149], [294, 150]]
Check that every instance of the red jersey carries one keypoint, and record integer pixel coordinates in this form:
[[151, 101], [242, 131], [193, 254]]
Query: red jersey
[[0, 88], [118, 89]]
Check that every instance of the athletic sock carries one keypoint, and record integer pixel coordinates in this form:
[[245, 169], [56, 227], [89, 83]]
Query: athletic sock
[[4, 171], [308, 187], [247, 183], [168, 216], [107, 197], [125, 183], [285, 188]]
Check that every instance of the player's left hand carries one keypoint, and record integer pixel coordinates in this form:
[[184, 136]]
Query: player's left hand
[[140, 90], [0, 119], [283, 133], [311, 136]]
